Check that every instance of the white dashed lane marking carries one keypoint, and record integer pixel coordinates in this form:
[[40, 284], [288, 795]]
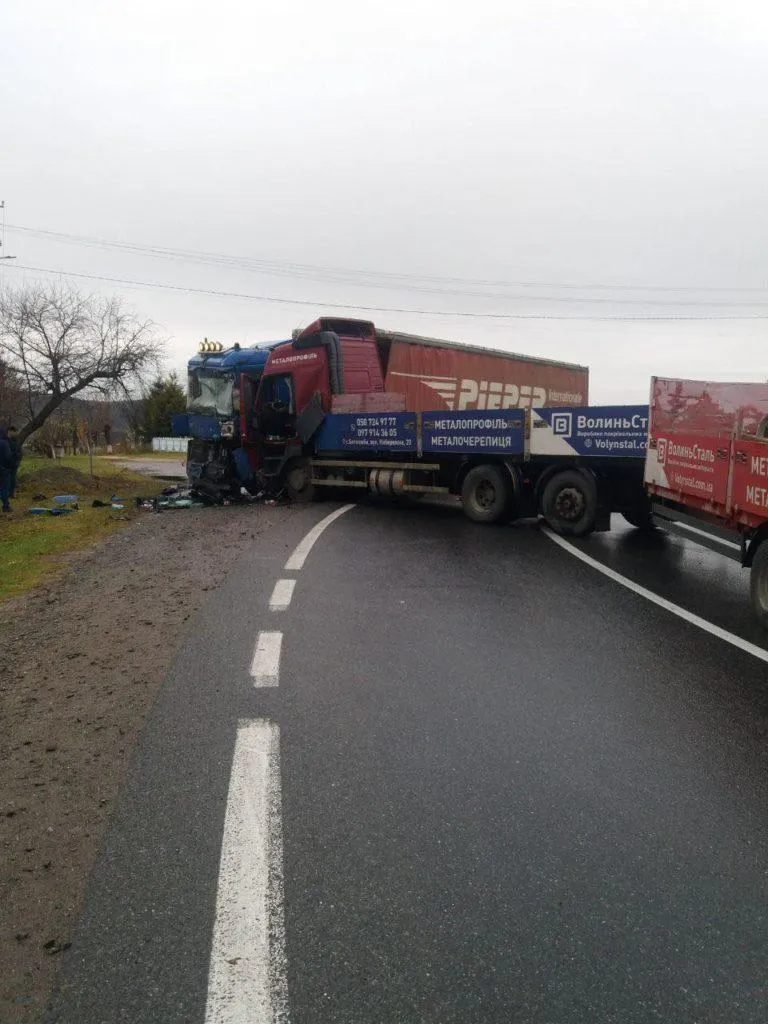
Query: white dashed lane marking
[[281, 595], [265, 667], [302, 549], [247, 973]]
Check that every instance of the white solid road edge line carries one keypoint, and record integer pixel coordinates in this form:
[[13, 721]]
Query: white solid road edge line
[[302, 549], [247, 974], [265, 667], [670, 606], [704, 533], [281, 595]]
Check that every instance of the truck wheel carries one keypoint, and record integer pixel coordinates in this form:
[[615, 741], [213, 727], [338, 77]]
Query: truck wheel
[[486, 494], [569, 503], [758, 584], [298, 481]]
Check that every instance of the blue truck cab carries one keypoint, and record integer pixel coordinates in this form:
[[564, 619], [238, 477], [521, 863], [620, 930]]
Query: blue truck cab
[[223, 450]]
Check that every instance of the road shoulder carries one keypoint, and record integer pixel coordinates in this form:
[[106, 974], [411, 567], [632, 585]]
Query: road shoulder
[[81, 663]]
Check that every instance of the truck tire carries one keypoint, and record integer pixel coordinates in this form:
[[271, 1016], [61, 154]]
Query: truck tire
[[758, 584], [487, 495], [297, 479], [569, 503]]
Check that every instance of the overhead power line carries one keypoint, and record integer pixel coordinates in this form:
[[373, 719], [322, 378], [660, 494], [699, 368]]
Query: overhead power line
[[403, 282], [319, 304]]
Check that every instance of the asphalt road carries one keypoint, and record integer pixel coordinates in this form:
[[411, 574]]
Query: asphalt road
[[512, 789]]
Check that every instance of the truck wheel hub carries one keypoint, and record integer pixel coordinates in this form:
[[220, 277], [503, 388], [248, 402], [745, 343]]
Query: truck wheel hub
[[297, 478], [570, 504], [485, 495]]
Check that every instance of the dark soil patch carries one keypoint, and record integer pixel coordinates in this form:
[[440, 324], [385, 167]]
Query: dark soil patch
[[81, 662]]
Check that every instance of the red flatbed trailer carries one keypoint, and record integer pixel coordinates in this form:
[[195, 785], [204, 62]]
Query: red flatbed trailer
[[707, 467]]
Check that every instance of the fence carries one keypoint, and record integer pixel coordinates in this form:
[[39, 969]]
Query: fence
[[170, 444]]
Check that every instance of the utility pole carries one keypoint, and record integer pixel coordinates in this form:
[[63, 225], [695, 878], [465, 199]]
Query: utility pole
[[2, 233]]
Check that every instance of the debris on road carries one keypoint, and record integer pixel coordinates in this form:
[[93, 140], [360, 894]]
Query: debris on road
[[63, 504], [197, 497], [177, 497], [39, 510], [165, 504]]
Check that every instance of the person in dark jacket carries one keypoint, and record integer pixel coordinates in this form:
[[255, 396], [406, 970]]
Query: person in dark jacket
[[16, 454], [6, 465]]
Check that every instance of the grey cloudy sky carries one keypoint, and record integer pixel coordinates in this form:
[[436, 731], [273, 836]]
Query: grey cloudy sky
[[501, 144]]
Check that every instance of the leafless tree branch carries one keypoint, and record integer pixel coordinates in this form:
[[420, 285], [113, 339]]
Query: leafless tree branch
[[59, 343]]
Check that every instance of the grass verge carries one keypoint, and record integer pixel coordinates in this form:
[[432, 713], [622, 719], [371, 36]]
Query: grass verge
[[33, 548]]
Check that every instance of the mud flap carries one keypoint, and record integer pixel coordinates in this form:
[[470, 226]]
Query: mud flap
[[602, 521]]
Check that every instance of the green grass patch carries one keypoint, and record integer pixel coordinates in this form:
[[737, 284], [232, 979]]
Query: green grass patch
[[33, 548]]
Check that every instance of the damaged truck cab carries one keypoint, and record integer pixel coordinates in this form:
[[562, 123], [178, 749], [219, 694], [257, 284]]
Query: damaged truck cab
[[302, 382], [223, 453]]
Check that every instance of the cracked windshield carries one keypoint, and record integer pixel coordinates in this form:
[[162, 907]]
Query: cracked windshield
[[210, 393]]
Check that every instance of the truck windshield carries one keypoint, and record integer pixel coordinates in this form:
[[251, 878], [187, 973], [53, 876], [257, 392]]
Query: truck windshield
[[210, 392]]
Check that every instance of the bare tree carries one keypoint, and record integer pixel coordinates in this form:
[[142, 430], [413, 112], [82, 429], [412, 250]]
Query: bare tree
[[60, 343], [11, 394]]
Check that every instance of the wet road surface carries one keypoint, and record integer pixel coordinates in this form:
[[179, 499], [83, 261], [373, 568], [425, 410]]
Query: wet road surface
[[511, 789]]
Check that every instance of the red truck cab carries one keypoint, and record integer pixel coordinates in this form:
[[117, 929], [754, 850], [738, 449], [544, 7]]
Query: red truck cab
[[330, 357]]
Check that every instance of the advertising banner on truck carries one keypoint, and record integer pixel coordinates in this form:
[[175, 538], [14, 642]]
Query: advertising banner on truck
[[381, 432], [475, 433], [689, 465], [749, 490], [608, 431], [434, 376], [707, 407]]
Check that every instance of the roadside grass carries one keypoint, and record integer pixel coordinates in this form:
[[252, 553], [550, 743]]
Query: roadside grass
[[34, 548]]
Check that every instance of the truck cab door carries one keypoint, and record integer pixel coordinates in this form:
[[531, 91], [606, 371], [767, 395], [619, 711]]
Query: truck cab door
[[277, 408]]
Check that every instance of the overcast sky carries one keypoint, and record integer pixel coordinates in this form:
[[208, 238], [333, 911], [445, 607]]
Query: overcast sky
[[553, 159]]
